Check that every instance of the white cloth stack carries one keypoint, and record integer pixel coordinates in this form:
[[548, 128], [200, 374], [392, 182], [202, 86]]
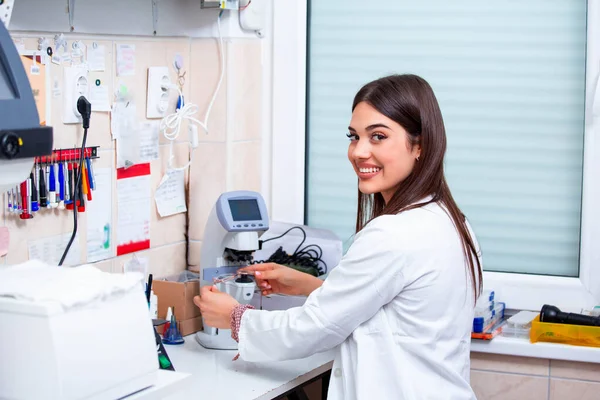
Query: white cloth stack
[[38, 282]]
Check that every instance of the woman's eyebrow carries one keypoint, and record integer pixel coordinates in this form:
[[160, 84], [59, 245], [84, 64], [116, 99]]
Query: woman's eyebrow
[[375, 126], [370, 127]]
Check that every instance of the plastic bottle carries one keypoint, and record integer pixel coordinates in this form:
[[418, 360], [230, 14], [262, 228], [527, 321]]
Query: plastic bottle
[[153, 305]]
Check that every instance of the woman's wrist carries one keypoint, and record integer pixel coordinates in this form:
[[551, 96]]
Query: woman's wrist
[[236, 319], [311, 284]]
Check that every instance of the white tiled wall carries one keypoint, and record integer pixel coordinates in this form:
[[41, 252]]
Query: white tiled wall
[[507, 377]]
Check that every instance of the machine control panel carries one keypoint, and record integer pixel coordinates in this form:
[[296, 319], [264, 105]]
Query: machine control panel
[[242, 211]]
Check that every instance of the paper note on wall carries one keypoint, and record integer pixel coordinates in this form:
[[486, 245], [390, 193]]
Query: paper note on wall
[[99, 98], [78, 54], [96, 58], [133, 208], [170, 195], [148, 139], [37, 82], [125, 128], [99, 217], [51, 249], [123, 118], [125, 59]]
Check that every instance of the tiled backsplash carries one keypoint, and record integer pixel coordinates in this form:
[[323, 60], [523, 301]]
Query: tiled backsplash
[[499, 377]]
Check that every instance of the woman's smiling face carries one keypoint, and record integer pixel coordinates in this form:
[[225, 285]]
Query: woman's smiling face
[[380, 151]]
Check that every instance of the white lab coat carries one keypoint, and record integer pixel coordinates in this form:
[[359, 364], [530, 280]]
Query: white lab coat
[[398, 309]]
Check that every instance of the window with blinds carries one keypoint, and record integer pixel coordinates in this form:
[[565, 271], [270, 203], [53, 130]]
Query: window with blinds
[[510, 80]]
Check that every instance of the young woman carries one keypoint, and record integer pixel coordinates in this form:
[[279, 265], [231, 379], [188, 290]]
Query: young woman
[[399, 306]]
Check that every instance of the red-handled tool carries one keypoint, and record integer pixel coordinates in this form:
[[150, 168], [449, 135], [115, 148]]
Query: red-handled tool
[[26, 200]]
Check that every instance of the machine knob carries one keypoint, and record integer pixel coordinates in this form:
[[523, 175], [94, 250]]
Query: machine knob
[[244, 278], [9, 145]]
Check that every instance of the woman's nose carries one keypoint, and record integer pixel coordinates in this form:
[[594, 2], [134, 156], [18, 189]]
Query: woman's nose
[[362, 149]]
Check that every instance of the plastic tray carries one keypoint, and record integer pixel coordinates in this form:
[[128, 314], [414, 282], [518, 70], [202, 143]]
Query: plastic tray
[[562, 333]]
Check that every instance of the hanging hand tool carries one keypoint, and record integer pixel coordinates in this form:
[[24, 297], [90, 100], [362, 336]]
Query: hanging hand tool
[[15, 206], [34, 193], [71, 203], [51, 187], [42, 183], [61, 185], [47, 177], [80, 195], [9, 201], [85, 182], [19, 200], [25, 200], [91, 177], [56, 183], [67, 183]]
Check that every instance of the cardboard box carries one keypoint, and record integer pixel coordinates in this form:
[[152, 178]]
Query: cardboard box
[[180, 297]]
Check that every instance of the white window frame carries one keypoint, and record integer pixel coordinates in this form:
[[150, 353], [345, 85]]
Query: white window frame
[[520, 291]]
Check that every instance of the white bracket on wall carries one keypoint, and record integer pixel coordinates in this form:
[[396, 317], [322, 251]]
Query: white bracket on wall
[[71, 14], [6, 9], [253, 15], [154, 15]]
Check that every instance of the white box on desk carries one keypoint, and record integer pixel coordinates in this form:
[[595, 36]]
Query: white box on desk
[[54, 354]]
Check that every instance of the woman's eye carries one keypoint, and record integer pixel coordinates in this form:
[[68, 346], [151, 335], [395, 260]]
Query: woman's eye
[[378, 137], [352, 136]]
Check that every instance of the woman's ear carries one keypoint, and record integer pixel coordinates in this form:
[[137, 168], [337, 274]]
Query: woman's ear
[[417, 151]]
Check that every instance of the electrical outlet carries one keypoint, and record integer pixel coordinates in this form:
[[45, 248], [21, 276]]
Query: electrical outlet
[[158, 92], [76, 84]]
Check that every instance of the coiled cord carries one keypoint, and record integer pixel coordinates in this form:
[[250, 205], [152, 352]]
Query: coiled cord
[[307, 259], [171, 124]]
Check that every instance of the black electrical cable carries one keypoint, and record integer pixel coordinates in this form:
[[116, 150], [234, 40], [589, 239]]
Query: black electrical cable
[[85, 109], [285, 233], [75, 197], [308, 256]]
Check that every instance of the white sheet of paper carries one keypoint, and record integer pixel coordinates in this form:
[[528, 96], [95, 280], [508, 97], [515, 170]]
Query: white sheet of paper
[[56, 88], [78, 55], [96, 58], [122, 117], [148, 139], [99, 98], [99, 217], [125, 59], [51, 249], [170, 196], [133, 208], [65, 57], [128, 148]]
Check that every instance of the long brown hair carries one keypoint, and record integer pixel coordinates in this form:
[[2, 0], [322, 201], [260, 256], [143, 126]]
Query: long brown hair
[[410, 101]]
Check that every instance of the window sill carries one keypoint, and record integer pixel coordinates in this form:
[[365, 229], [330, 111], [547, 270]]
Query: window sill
[[524, 348]]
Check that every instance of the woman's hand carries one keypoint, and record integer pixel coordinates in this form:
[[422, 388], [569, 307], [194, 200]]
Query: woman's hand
[[215, 306], [274, 278]]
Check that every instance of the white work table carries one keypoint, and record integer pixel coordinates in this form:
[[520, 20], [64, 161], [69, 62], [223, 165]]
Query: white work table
[[215, 376], [211, 374]]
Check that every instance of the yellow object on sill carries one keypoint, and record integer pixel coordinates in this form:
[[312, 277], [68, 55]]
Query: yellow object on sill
[[577, 335]]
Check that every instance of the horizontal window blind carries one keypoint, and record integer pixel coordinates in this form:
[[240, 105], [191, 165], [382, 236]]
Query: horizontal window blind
[[510, 80]]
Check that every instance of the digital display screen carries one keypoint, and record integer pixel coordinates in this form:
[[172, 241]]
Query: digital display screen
[[244, 210], [6, 90]]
